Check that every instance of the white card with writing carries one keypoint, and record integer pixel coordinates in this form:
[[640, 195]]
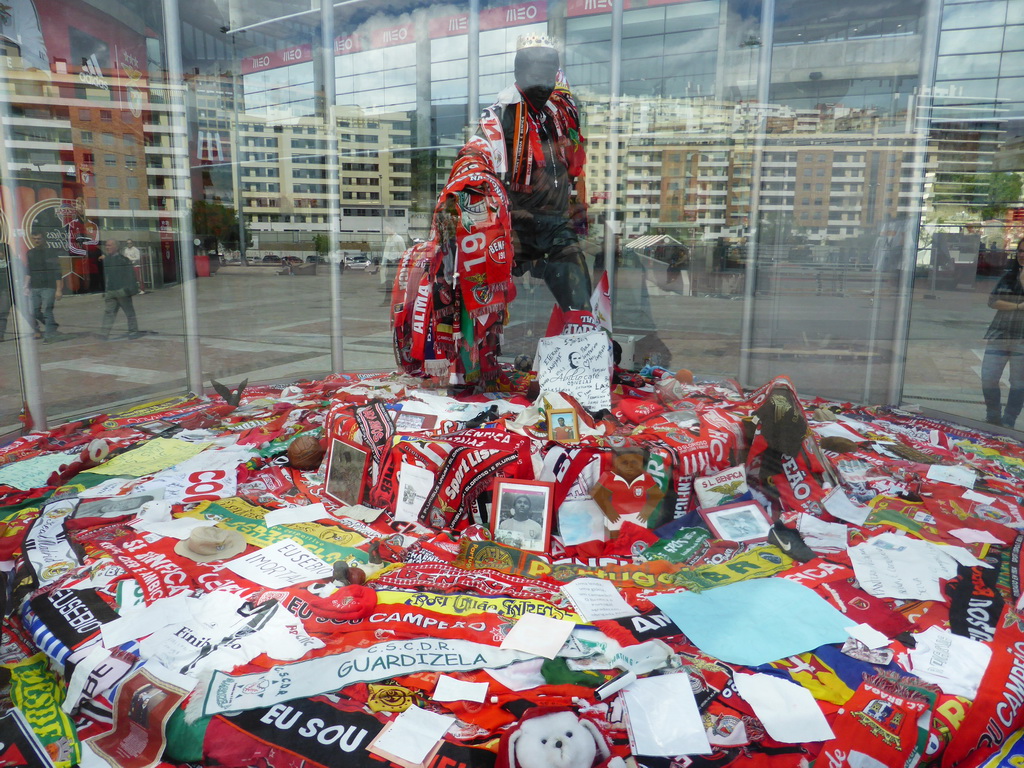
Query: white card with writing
[[414, 485], [280, 565], [597, 599], [579, 365]]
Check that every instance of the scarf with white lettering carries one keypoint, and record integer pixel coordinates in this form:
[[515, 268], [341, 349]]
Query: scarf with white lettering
[[879, 725], [227, 693], [480, 580], [465, 474]]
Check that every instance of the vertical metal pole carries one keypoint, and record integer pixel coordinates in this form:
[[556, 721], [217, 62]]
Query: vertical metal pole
[[333, 182], [611, 228], [764, 80], [905, 299], [473, 68], [237, 159], [175, 85], [235, 19], [28, 350]]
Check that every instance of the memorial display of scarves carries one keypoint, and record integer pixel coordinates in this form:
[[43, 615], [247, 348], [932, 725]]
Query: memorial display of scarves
[[451, 294], [450, 299]]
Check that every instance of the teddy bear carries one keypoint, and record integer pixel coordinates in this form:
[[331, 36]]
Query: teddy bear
[[554, 737]]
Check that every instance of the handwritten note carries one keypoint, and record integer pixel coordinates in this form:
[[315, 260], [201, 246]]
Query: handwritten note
[[282, 564], [33, 473], [897, 566], [154, 455], [597, 599], [577, 364]]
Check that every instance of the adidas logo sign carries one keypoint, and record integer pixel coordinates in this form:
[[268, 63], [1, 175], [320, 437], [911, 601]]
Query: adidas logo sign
[[91, 73]]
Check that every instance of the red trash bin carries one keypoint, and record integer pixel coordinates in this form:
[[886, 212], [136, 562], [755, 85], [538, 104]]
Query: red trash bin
[[202, 265]]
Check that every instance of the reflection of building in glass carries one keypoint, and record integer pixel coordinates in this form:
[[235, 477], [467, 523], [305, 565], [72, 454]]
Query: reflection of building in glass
[[88, 137]]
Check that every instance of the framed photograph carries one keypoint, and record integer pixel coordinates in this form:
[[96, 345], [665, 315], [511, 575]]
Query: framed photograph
[[521, 513], [744, 521], [347, 472], [413, 421], [563, 425]]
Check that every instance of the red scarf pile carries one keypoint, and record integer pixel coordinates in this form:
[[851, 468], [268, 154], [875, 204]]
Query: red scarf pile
[[451, 294]]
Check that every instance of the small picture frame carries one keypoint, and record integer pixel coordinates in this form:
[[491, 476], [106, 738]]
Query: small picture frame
[[413, 421], [347, 472], [745, 522], [563, 425], [521, 513]]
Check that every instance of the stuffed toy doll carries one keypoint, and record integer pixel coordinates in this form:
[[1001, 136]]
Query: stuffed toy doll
[[554, 737], [626, 493]]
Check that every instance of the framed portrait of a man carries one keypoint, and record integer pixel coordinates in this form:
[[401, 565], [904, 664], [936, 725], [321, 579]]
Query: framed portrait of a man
[[563, 425], [745, 522], [347, 472], [521, 514]]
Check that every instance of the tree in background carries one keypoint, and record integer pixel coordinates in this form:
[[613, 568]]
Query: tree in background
[[215, 220], [321, 244]]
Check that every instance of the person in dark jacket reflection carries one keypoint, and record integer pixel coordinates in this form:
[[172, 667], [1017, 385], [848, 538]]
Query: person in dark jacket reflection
[[119, 287], [1005, 337]]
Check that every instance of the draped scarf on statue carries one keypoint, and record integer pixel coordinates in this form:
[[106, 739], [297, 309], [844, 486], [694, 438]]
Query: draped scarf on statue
[[450, 298]]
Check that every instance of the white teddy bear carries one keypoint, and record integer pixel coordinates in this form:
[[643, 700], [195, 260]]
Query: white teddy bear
[[556, 739]]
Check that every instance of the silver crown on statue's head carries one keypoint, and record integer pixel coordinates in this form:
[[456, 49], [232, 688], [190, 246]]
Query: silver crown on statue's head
[[534, 40]]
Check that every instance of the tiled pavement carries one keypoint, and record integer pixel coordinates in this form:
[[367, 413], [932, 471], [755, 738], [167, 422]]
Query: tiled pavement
[[255, 323]]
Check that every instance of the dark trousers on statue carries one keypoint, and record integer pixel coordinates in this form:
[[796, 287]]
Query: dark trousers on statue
[[113, 303], [999, 354]]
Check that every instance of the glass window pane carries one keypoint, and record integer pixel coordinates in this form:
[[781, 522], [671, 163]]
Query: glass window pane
[[970, 40], [979, 65], [974, 15]]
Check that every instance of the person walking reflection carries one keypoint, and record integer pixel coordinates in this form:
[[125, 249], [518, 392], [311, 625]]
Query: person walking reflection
[[119, 277], [45, 287], [1005, 337]]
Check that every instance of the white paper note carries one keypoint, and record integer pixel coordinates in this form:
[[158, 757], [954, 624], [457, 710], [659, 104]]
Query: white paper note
[[973, 536], [597, 599], [789, 712], [838, 504], [521, 676], [451, 689], [359, 512], [868, 635], [414, 733], [979, 497], [961, 555], [659, 730], [821, 536], [540, 635], [955, 475], [898, 566], [289, 515], [179, 528]]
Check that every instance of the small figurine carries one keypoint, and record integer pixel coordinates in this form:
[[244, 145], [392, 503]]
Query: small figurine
[[626, 492]]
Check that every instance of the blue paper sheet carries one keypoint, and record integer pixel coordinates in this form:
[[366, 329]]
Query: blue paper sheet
[[757, 621]]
